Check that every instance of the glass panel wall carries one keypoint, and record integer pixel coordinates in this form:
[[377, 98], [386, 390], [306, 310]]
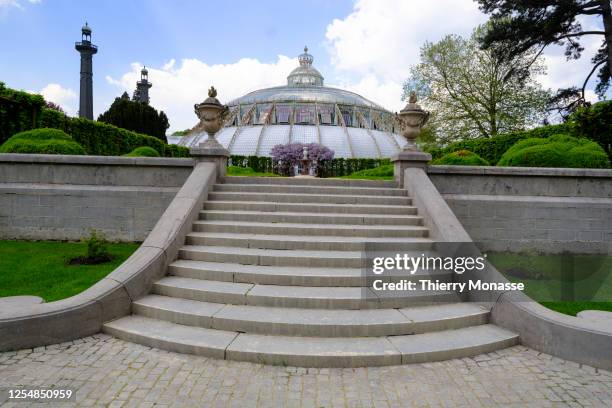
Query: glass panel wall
[[263, 112], [246, 114], [364, 118], [283, 112], [347, 114], [305, 114], [327, 114]]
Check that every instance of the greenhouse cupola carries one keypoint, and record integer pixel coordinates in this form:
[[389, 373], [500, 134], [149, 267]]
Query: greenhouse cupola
[[305, 74]]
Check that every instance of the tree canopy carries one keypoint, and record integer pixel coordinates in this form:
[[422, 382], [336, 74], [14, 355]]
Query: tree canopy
[[473, 93], [520, 25], [136, 116]]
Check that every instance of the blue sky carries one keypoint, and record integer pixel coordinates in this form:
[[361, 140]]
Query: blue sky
[[366, 46]]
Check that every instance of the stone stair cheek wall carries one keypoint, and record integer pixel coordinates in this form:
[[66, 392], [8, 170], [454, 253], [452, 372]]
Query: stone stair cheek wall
[[83, 315], [545, 330]]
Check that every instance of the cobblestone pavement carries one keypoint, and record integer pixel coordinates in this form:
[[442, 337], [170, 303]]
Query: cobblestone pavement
[[108, 372]]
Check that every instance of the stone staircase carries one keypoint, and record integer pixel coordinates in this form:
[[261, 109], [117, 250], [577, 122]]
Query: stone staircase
[[271, 273]]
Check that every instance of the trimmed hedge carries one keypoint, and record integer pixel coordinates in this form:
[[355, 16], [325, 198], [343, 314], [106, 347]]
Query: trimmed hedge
[[102, 139], [333, 168], [41, 134], [461, 158], [556, 151], [21, 111], [42, 141], [143, 151], [491, 149]]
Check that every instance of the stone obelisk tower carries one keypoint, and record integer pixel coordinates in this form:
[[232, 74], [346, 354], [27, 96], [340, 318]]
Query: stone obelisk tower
[[87, 50], [141, 94]]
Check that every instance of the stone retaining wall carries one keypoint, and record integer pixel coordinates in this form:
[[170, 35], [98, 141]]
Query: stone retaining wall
[[523, 209], [63, 197], [504, 209]]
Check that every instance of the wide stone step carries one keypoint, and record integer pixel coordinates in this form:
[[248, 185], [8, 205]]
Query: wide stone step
[[293, 189], [307, 297], [316, 242], [309, 218], [272, 257], [311, 322], [309, 198], [283, 257], [311, 351], [269, 206], [368, 231], [284, 275], [310, 182], [170, 336], [369, 351]]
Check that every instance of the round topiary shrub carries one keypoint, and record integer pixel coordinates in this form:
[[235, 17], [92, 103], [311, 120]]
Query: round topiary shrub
[[143, 151], [42, 141], [41, 134], [556, 151], [461, 158]]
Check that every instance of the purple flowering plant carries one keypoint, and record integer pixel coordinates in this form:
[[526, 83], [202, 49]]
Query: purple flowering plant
[[286, 156]]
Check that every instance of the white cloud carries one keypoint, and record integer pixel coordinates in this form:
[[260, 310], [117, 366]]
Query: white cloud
[[373, 47], [371, 51], [177, 87], [65, 97], [6, 4], [562, 73]]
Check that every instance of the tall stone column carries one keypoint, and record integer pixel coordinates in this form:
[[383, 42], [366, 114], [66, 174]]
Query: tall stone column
[[87, 50]]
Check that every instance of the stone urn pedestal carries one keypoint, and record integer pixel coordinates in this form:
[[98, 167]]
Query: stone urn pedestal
[[406, 159]]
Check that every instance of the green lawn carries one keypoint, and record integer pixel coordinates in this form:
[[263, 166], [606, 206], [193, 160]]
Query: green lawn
[[247, 172], [565, 283], [384, 172], [39, 268]]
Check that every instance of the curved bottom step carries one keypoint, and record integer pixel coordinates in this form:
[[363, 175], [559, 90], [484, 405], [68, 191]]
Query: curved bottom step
[[312, 351]]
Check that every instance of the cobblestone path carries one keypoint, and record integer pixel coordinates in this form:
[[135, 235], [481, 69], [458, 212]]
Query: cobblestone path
[[107, 372]]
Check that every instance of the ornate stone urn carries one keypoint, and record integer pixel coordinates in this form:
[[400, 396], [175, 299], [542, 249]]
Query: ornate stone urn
[[411, 119], [212, 115]]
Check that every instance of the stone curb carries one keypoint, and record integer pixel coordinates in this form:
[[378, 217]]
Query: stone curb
[[95, 160], [518, 171]]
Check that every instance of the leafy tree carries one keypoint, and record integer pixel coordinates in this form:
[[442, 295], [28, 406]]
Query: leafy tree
[[54, 106], [181, 132], [520, 25], [473, 93], [136, 116]]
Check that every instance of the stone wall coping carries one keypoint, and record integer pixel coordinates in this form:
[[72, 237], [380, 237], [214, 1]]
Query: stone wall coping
[[95, 160], [518, 171], [543, 329], [83, 314]]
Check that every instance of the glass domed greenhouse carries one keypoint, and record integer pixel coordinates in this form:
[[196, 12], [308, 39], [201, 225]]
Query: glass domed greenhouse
[[306, 111]]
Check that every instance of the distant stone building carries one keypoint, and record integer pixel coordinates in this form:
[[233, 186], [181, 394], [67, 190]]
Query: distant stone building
[[87, 50], [141, 94]]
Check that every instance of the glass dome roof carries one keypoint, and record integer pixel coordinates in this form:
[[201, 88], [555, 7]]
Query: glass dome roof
[[322, 94], [306, 111]]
